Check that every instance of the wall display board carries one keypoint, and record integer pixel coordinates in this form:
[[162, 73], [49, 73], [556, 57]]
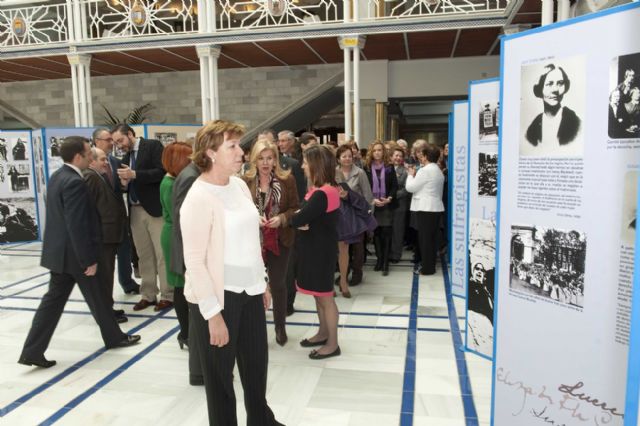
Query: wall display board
[[40, 175], [18, 208], [631, 412], [484, 127], [567, 203], [167, 133], [53, 137], [458, 158]]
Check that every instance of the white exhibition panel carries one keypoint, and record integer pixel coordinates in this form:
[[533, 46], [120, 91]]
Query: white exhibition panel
[[482, 189], [567, 204], [18, 207], [458, 149], [168, 133], [53, 137], [41, 178]]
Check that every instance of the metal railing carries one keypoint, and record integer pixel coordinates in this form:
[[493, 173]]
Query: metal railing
[[89, 20], [44, 24]]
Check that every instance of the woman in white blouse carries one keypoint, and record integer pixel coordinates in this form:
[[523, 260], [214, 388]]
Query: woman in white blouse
[[426, 185], [225, 281]]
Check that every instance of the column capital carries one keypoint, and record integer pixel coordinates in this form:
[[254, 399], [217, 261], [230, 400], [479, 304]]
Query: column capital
[[352, 41], [79, 59], [206, 50]]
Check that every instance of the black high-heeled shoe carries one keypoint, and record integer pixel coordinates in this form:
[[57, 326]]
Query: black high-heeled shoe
[[183, 341]]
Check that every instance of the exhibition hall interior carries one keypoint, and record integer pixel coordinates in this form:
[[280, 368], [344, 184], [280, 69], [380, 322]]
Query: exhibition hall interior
[[319, 212]]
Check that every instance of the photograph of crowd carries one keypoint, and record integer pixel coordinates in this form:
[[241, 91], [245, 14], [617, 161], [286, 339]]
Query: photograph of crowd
[[624, 97], [488, 121], [552, 108], [629, 209], [166, 137], [480, 290], [18, 220], [548, 263], [487, 174]]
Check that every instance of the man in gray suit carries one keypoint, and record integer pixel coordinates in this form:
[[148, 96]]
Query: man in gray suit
[[70, 250], [181, 187]]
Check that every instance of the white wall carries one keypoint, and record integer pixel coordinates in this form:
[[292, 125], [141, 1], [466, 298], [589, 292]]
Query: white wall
[[439, 77]]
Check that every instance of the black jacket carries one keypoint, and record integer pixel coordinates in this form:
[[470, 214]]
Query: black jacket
[[390, 183], [149, 174], [569, 126], [72, 237]]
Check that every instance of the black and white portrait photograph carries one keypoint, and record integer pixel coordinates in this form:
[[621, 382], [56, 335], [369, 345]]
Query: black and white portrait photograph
[[54, 146], [480, 290], [552, 108], [488, 121], [3, 149], [166, 137], [18, 220], [19, 151], [548, 263], [487, 174], [629, 209], [624, 97], [18, 176]]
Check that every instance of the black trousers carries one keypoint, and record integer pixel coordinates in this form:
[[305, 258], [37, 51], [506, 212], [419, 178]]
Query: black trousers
[[50, 310], [182, 311], [277, 268], [428, 226], [245, 319], [290, 279]]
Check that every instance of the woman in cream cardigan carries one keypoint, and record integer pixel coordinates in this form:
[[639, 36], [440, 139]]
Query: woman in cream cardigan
[[426, 185], [225, 280]]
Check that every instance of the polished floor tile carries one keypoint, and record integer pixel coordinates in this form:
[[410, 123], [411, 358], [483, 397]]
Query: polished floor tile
[[147, 384]]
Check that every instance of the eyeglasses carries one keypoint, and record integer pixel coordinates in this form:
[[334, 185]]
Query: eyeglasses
[[105, 139]]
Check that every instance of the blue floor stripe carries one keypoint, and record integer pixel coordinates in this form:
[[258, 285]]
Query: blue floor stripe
[[107, 379], [15, 249], [303, 311], [75, 367], [23, 280], [25, 290], [470, 413], [409, 381], [294, 323]]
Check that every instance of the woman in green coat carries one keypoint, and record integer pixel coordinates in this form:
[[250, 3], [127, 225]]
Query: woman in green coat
[[175, 157]]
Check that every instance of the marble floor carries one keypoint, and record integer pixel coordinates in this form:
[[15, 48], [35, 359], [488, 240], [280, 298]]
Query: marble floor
[[400, 362]]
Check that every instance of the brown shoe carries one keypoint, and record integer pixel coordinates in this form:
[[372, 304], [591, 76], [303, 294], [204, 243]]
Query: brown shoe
[[143, 304], [163, 304]]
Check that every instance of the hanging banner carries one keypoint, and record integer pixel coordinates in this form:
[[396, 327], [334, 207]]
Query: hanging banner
[[18, 208], [53, 137], [458, 148], [484, 108], [569, 159]]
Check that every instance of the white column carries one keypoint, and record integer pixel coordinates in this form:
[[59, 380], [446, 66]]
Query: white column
[[346, 10], [564, 8], [547, 12], [81, 87], [209, 55], [356, 89], [348, 134], [71, 34], [77, 18]]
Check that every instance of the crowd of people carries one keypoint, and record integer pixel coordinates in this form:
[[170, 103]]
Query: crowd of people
[[563, 286], [222, 232]]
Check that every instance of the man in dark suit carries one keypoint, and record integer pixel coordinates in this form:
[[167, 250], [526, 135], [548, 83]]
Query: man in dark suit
[[112, 216], [141, 172], [103, 140], [70, 250], [181, 187]]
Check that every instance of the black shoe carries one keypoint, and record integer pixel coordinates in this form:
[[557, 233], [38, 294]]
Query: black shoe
[[290, 310], [183, 341], [385, 272], [130, 340], [306, 343], [378, 266], [42, 363], [121, 318], [133, 290], [356, 278], [118, 312], [316, 355], [195, 380], [394, 261]]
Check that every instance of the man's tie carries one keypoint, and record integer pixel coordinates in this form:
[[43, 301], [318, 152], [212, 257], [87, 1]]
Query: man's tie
[[109, 174], [132, 191]]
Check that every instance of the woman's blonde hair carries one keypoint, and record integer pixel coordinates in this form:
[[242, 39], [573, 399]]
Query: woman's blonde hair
[[385, 153], [261, 145]]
